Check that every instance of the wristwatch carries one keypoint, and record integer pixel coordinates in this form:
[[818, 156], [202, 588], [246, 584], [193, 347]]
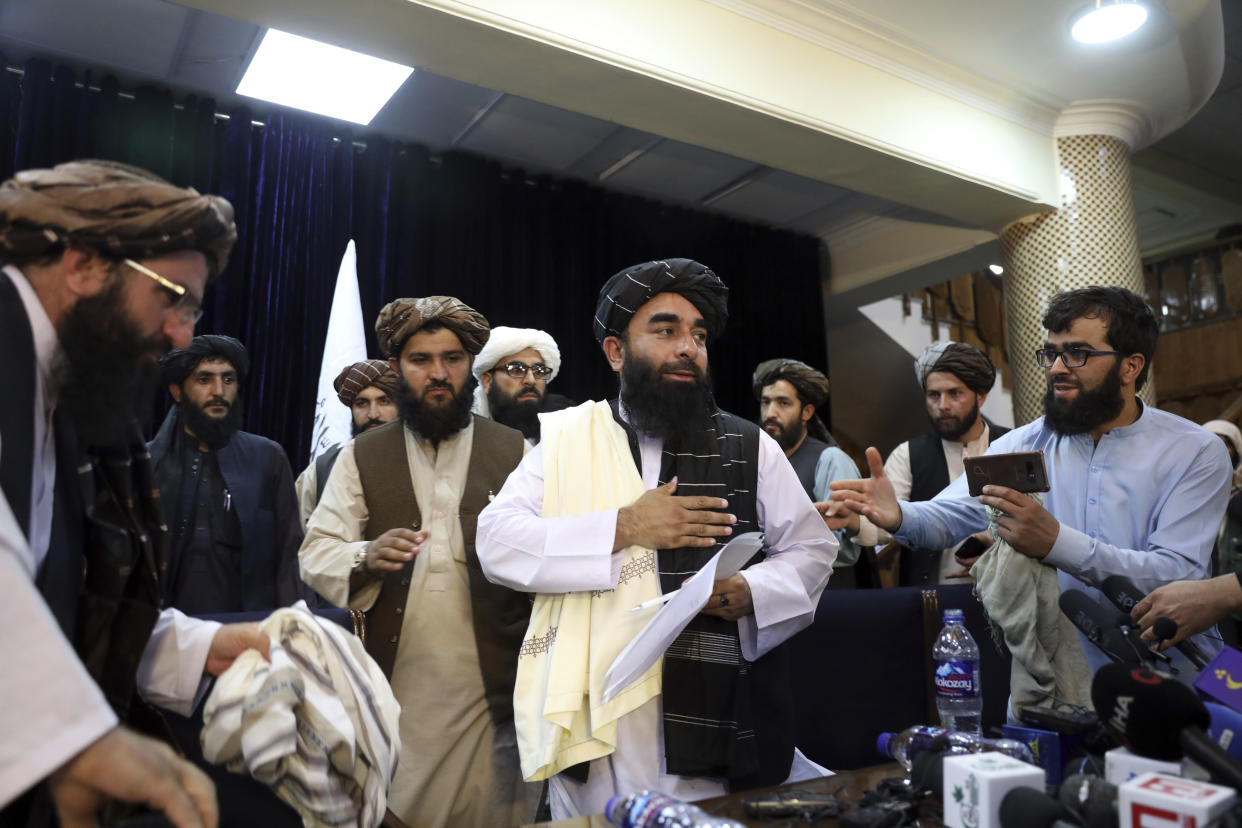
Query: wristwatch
[[360, 559]]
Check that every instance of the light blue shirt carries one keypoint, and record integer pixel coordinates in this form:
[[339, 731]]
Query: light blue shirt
[[1146, 502], [835, 464]]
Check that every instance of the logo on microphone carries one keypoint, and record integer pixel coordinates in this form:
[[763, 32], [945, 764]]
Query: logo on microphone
[[1121, 714], [969, 806]]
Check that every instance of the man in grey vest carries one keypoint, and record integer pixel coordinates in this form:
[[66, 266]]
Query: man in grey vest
[[394, 535], [368, 389], [955, 378]]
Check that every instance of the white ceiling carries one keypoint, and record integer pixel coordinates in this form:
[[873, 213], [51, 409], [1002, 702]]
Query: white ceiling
[[1014, 43]]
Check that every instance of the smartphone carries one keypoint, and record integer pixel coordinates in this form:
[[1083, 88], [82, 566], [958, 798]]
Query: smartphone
[[1021, 471]]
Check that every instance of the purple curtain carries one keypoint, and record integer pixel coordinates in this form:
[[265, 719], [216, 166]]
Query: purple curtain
[[525, 251]]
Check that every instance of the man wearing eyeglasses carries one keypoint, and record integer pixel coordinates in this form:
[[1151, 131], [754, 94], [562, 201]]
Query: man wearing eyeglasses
[[1135, 491], [514, 370], [104, 270]]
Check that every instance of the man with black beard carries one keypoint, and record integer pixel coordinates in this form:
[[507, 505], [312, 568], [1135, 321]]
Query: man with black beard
[[228, 495], [514, 370], [955, 378], [104, 269], [394, 535], [579, 524], [368, 389], [1135, 491]]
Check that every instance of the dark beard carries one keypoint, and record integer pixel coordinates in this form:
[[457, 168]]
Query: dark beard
[[355, 429], [523, 415], [107, 371], [787, 438], [435, 423], [955, 432], [215, 432], [668, 410], [1091, 409]]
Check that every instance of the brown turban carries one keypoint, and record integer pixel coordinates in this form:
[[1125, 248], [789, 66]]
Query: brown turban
[[354, 378], [812, 386], [113, 208], [966, 362], [402, 318]]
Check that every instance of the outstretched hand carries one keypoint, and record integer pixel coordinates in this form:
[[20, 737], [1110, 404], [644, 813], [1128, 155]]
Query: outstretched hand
[[872, 498], [230, 641]]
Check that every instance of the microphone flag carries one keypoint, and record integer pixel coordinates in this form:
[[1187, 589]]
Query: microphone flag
[[1221, 680], [345, 344]]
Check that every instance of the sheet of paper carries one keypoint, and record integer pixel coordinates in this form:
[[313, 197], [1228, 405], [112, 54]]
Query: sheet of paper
[[672, 618]]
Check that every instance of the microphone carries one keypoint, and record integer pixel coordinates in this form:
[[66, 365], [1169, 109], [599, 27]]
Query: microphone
[[1166, 628], [1225, 729], [1029, 808], [1091, 799], [1098, 627], [1160, 718], [1125, 594]]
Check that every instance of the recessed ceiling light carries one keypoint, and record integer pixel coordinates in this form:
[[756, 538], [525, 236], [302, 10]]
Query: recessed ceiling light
[[321, 78], [1108, 20], [996, 269]]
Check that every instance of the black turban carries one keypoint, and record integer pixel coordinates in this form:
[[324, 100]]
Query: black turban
[[966, 362], [626, 292], [812, 385], [176, 366]]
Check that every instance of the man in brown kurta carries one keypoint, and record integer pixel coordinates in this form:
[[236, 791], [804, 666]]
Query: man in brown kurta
[[394, 535]]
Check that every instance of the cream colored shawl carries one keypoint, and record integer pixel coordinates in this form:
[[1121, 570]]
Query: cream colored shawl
[[558, 701]]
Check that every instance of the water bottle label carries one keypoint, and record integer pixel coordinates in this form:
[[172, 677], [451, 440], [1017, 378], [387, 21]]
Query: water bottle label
[[956, 679]]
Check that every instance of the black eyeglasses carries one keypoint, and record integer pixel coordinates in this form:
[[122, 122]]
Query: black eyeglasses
[[1070, 357], [186, 304], [517, 369]]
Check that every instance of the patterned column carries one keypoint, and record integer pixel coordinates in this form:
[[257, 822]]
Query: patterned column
[[1090, 240]]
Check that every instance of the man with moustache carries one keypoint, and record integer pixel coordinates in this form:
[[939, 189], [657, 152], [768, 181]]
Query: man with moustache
[[394, 534], [104, 268], [228, 495], [1135, 491], [368, 390], [791, 394], [661, 468], [955, 378], [514, 370]]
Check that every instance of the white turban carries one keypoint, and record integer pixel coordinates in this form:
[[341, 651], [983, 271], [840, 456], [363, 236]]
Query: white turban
[[1231, 433], [506, 342]]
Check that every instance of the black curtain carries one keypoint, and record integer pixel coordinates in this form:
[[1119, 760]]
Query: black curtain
[[528, 251]]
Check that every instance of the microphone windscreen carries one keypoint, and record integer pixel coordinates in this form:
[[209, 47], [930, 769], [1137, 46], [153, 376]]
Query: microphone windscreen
[[1029, 808], [1087, 615], [1225, 728], [1091, 799], [1164, 628], [1147, 709], [1122, 592]]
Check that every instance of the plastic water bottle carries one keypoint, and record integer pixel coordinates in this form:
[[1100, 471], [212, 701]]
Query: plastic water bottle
[[650, 809], [959, 697], [912, 741]]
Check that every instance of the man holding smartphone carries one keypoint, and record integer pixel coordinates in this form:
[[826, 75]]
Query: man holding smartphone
[[955, 378], [1134, 490]]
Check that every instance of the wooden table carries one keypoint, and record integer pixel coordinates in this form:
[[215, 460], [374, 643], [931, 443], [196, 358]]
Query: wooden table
[[848, 786]]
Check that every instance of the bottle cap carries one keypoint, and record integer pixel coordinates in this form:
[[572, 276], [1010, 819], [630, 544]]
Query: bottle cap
[[954, 615], [881, 744]]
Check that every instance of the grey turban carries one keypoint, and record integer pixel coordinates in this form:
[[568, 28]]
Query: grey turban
[[966, 362], [176, 366], [627, 291]]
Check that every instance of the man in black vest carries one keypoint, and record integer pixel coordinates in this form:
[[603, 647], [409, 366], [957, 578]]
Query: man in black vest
[[104, 270], [368, 389], [955, 378], [661, 468], [227, 494], [394, 535], [791, 394]]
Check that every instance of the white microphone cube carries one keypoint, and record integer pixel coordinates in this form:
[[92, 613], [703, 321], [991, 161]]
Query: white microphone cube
[[1120, 766], [975, 784], [1161, 800]]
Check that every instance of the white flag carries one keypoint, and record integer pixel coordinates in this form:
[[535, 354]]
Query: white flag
[[345, 345]]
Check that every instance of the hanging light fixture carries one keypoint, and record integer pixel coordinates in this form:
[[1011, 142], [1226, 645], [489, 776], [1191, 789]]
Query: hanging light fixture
[[1108, 20]]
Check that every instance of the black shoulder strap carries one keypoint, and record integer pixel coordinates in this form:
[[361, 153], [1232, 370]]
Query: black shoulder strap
[[17, 375], [929, 471]]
